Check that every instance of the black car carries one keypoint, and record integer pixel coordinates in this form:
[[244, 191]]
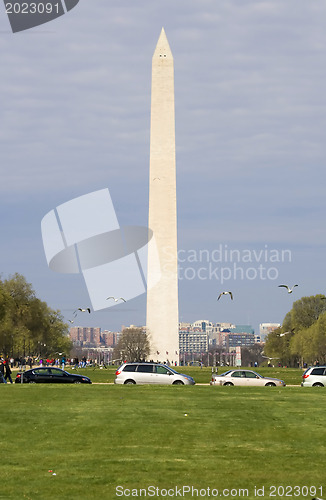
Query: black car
[[47, 374]]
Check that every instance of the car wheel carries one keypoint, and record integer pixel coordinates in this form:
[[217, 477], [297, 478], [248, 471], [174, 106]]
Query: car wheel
[[228, 383], [32, 382], [317, 384], [178, 382], [77, 382], [129, 382], [270, 384]]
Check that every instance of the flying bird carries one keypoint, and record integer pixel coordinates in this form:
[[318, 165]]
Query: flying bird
[[82, 310], [225, 293], [285, 333], [116, 299], [290, 290]]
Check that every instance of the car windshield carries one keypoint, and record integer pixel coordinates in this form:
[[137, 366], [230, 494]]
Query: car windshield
[[225, 373], [171, 370]]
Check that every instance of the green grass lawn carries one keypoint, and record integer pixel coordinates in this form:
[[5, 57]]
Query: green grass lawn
[[100, 437]]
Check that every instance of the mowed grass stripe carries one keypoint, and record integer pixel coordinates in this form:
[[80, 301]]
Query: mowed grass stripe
[[97, 437]]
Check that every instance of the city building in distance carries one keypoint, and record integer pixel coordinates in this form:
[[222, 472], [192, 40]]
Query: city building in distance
[[195, 338], [266, 328], [92, 337]]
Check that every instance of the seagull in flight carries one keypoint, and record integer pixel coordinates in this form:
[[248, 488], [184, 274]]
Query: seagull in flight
[[116, 299], [290, 290], [225, 293], [82, 310], [285, 333]]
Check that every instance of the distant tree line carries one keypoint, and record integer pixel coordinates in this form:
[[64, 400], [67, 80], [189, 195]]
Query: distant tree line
[[28, 326], [302, 337]]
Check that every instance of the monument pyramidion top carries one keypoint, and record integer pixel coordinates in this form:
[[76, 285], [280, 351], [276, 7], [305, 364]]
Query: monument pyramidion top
[[162, 50]]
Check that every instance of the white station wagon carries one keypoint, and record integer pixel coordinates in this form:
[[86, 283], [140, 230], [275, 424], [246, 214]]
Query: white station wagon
[[245, 378]]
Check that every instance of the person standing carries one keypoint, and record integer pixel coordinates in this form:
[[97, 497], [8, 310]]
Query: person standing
[[2, 372], [8, 371]]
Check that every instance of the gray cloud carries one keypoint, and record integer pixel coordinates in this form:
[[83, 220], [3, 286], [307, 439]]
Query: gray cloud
[[250, 111]]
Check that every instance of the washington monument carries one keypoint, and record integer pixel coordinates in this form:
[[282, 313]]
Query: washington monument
[[162, 277]]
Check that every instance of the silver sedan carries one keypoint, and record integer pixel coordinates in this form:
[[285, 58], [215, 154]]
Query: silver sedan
[[246, 378]]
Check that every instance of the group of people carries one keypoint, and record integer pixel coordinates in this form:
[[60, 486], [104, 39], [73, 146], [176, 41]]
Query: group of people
[[5, 371], [63, 362]]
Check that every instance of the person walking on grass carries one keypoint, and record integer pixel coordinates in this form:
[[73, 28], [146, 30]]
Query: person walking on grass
[[63, 362], [8, 371], [2, 372]]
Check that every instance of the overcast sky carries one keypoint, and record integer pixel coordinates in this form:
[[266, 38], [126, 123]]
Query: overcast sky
[[250, 140]]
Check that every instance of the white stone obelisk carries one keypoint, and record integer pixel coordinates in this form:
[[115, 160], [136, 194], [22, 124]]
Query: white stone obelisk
[[162, 321]]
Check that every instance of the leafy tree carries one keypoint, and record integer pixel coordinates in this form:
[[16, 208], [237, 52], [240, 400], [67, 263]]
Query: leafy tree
[[302, 344], [4, 300], [310, 343], [273, 344], [306, 341], [27, 325], [133, 345], [320, 339], [278, 346], [306, 311]]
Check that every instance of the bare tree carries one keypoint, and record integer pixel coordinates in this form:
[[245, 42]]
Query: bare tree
[[251, 355], [133, 345]]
